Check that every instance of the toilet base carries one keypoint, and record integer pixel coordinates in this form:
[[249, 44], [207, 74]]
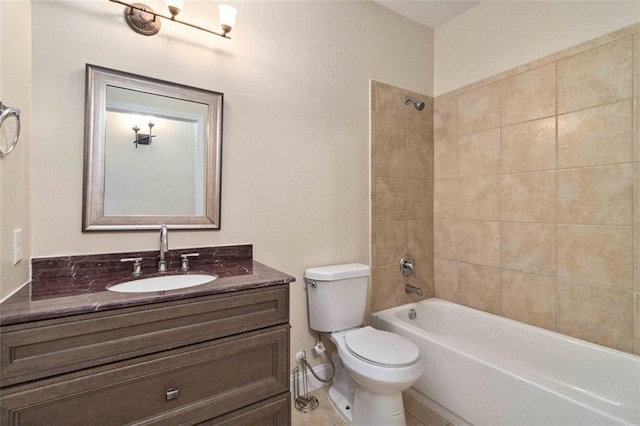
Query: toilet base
[[341, 404], [369, 409], [374, 409]]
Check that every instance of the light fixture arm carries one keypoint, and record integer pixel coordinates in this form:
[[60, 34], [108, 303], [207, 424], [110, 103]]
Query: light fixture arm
[[171, 18]]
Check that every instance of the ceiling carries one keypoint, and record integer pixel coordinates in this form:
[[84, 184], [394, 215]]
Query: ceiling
[[430, 13]]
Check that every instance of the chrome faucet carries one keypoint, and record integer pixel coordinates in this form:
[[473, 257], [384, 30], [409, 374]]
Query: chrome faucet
[[164, 247], [410, 289]]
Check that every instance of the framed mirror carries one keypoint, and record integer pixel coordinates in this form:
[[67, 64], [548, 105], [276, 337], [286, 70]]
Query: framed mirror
[[152, 153]]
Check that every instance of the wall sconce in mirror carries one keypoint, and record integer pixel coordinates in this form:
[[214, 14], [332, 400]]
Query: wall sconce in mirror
[[144, 20], [141, 138]]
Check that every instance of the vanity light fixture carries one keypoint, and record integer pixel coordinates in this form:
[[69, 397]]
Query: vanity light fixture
[[141, 138], [144, 20]]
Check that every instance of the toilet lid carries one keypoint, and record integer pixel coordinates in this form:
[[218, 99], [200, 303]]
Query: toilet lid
[[382, 347]]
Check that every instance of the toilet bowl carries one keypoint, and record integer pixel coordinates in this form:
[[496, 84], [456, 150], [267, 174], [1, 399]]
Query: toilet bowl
[[381, 365], [373, 367]]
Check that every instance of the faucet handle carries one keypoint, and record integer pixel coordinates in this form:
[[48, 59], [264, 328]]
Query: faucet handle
[[185, 260], [137, 264], [407, 265]]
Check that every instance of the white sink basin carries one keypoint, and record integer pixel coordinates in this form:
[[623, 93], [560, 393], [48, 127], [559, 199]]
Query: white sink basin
[[164, 283]]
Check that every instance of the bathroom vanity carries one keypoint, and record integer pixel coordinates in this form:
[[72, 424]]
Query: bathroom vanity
[[216, 353]]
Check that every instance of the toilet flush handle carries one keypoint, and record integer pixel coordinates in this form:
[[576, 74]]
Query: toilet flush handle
[[311, 283]]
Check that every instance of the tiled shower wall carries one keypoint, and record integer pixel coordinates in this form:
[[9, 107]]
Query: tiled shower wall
[[537, 193], [402, 194]]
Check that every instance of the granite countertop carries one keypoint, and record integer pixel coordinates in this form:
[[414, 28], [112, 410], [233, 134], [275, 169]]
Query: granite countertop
[[60, 288]]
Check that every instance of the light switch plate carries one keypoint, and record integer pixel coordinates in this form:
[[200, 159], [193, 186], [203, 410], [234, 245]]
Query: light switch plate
[[17, 246]]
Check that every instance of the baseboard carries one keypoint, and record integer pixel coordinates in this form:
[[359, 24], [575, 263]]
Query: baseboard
[[322, 370]]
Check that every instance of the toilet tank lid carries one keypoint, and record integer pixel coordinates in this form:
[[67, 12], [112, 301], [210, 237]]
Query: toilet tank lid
[[337, 272]]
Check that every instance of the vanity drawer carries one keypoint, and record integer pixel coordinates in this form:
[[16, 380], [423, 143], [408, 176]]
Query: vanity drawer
[[182, 386], [275, 411], [45, 348]]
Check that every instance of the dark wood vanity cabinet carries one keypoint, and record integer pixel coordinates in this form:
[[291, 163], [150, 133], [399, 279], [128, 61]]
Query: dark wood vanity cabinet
[[219, 359]]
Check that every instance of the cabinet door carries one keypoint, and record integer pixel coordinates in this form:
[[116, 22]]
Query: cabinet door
[[182, 386], [45, 348]]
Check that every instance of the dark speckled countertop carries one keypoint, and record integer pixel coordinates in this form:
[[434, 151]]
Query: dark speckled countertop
[[65, 286]]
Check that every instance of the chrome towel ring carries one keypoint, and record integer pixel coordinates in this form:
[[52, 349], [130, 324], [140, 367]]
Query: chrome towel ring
[[6, 112]]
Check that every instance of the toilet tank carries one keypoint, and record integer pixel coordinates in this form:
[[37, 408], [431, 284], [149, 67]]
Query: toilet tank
[[337, 296]]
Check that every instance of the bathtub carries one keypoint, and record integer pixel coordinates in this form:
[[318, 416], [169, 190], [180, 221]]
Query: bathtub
[[483, 369]]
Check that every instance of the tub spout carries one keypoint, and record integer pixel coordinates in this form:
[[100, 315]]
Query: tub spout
[[410, 289]]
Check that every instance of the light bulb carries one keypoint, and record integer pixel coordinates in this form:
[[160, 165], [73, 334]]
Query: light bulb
[[175, 6], [227, 17]]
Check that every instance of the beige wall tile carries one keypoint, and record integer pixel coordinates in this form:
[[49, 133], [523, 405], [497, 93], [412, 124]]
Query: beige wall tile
[[444, 238], [596, 254], [478, 242], [445, 154], [529, 298], [422, 278], [479, 287], [419, 156], [479, 198], [596, 136], [528, 146], [529, 247], [419, 199], [445, 117], [529, 95], [387, 288], [390, 115], [529, 197], [420, 141], [479, 153], [636, 64], [596, 195], [636, 136], [420, 238], [420, 122], [389, 155], [391, 242], [391, 195], [445, 198], [595, 77], [445, 273], [597, 314], [479, 110]]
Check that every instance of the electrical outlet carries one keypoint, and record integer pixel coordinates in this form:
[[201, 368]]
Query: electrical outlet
[[17, 246]]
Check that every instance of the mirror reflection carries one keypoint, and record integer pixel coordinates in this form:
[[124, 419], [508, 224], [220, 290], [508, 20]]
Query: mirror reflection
[[153, 153]]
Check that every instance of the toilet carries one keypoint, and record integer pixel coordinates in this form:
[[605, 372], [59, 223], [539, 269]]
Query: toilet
[[372, 366]]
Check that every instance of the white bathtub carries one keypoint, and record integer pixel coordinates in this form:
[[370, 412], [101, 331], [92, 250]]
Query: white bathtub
[[484, 369]]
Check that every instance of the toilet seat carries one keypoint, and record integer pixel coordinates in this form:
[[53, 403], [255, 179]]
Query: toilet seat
[[381, 348]]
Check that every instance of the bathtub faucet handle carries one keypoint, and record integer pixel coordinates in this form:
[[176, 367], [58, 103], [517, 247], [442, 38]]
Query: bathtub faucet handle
[[407, 265]]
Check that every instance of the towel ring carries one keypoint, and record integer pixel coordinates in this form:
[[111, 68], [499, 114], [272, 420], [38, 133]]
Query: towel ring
[[6, 112]]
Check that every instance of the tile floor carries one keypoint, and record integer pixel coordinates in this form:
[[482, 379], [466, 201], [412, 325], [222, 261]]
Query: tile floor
[[325, 415]]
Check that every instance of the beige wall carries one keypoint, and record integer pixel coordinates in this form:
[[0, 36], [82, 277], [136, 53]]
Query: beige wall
[[495, 36], [401, 194], [15, 90], [536, 175], [295, 174]]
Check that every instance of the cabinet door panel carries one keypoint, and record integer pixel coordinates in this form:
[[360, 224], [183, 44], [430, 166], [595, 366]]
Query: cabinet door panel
[[44, 348], [182, 386]]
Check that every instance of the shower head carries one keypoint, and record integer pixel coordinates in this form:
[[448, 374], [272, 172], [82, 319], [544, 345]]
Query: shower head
[[417, 104]]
